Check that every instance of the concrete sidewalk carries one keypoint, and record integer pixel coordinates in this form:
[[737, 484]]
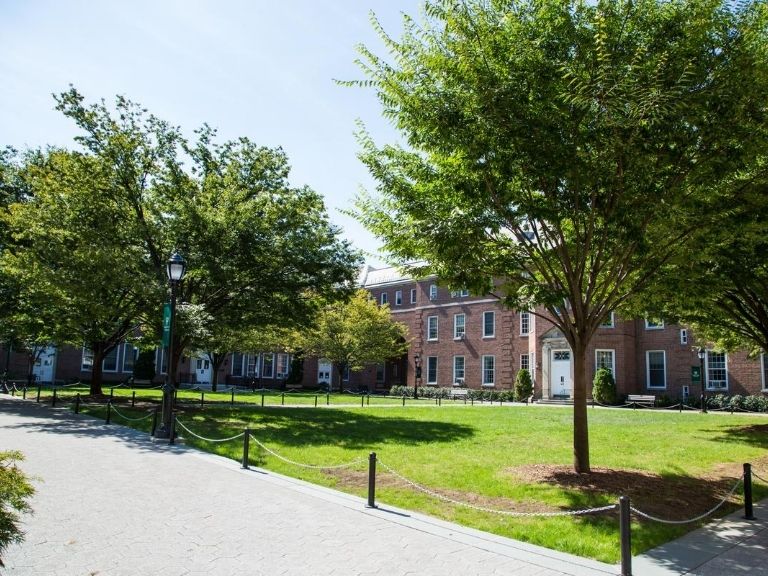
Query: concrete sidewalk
[[110, 502]]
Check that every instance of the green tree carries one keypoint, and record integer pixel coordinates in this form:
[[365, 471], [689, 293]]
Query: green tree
[[523, 385], [568, 149], [604, 387], [15, 491], [354, 334]]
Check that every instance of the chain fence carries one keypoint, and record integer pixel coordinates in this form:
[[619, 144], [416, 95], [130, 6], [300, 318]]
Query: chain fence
[[759, 477], [203, 438], [128, 418], [444, 498], [310, 466]]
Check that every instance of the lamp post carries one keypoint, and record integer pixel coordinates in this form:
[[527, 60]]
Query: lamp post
[[417, 363], [176, 267], [702, 353]]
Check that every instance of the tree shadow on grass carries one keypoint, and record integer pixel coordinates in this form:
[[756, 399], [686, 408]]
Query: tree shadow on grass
[[343, 428], [750, 434]]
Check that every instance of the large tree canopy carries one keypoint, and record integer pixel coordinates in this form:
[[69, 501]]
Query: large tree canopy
[[566, 148]]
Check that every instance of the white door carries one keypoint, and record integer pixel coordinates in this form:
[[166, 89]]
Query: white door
[[324, 372], [560, 374], [43, 368], [203, 371]]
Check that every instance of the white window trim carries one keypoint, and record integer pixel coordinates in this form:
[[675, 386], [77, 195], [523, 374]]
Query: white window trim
[[456, 335], [463, 369], [493, 334], [529, 316], [613, 360], [648, 370], [398, 297], [437, 329], [433, 292], [282, 375], [124, 355], [611, 323], [706, 373], [764, 386], [159, 357], [383, 298], [383, 373], [482, 371], [527, 357], [413, 295], [659, 326], [683, 336], [273, 367], [437, 368], [116, 349], [87, 353]]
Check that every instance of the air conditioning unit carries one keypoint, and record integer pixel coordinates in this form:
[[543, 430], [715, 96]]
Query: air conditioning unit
[[459, 382]]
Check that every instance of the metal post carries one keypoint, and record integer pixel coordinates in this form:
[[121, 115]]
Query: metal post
[[439, 401], [368, 400], [109, 413], [133, 399], [154, 422], [77, 403], [315, 400], [169, 390], [625, 532], [24, 393], [748, 511], [262, 399], [328, 399], [403, 399], [282, 399], [246, 447], [232, 401], [703, 405], [53, 400], [362, 401], [202, 399], [372, 480], [38, 392], [111, 392], [172, 435]]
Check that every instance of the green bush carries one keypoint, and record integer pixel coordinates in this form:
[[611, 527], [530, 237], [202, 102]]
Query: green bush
[[604, 387], [15, 490], [523, 385]]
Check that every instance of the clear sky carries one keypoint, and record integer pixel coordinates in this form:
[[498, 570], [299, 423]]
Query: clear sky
[[257, 68]]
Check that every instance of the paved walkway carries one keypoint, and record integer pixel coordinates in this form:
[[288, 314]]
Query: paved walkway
[[110, 502]]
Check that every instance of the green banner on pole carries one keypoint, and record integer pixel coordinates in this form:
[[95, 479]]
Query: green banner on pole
[[166, 324], [696, 374]]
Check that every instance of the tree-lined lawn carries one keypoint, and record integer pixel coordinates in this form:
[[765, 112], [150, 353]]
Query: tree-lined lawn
[[514, 458]]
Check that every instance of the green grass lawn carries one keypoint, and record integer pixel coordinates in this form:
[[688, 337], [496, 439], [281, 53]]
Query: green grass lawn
[[518, 458]]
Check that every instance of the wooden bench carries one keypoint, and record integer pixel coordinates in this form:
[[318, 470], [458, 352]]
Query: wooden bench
[[459, 393], [642, 399]]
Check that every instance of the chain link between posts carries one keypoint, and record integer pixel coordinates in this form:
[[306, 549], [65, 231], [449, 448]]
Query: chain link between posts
[[311, 466], [235, 437], [697, 518], [492, 510], [124, 417], [759, 477]]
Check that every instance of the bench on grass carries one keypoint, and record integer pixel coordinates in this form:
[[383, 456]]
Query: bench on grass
[[459, 393], [642, 399]]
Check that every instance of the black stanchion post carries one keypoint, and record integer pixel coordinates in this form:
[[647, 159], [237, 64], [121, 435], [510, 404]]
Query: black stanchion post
[[262, 399], [703, 404], [625, 530], [246, 447], [472, 401], [328, 399], [38, 392], [372, 480], [282, 399], [111, 393], [680, 407], [53, 400], [368, 400], [403, 400], [77, 403], [362, 401], [233, 395], [109, 412], [439, 401], [202, 399], [133, 399], [315, 400], [24, 393], [748, 511], [172, 435]]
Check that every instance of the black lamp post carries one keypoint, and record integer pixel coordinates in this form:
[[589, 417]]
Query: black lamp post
[[417, 364], [176, 267], [702, 352]]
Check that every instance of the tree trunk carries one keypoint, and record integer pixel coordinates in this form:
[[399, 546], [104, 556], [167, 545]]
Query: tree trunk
[[96, 371], [217, 358], [580, 425], [340, 368]]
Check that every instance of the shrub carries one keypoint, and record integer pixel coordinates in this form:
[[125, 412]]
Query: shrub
[[144, 368], [604, 387], [15, 490], [523, 385]]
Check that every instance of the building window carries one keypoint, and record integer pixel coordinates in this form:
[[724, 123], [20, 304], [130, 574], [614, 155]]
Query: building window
[[345, 374], [86, 364], [489, 370], [459, 326], [489, 324], [161, 361], [717, 370], [109, 364], [432, 328], [683, 336], [282, 365], [268, 368], [237, 364], [764, 371], [384, 298], [432, 370], [609, 322], [656, 369], [252, 366], [605, 359], [433, 292], [653, 324], [458, 370], [380, 373], [130, 353], [459, 293], [413, 295], [398, 297], [525, 362], [525, 323]]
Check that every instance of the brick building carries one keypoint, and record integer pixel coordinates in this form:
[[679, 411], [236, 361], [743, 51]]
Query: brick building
[[461, 340]]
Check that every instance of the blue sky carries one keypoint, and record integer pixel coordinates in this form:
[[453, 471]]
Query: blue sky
[[261, 69]]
